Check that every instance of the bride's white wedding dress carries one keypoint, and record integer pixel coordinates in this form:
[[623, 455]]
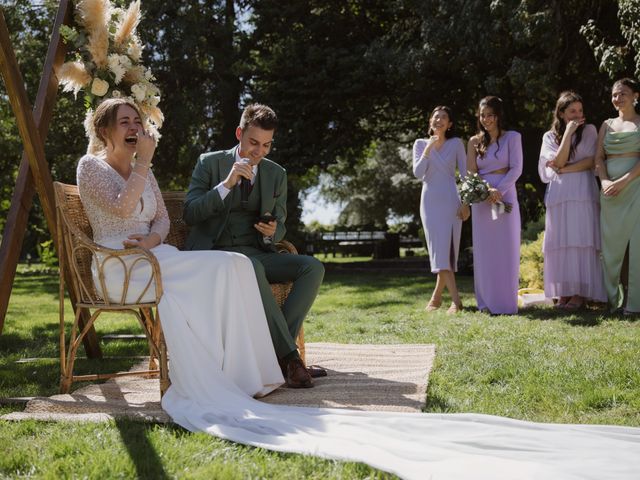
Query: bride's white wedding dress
[[221, 356]]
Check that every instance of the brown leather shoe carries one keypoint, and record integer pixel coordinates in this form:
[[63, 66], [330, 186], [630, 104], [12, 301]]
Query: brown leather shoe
[[297, 375], [316, 371]]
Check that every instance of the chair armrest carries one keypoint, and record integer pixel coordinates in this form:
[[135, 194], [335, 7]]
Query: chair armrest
[[285, 246], [84, 250]]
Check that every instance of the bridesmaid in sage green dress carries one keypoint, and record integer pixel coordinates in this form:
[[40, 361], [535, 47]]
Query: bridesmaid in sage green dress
[[618, 165]]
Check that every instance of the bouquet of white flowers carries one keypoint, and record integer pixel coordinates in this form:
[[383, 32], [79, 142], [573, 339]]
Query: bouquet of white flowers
[[474, 189], [107, 59]]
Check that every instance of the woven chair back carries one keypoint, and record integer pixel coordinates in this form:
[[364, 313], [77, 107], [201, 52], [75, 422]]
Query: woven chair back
[[76, 231], [174, 201]]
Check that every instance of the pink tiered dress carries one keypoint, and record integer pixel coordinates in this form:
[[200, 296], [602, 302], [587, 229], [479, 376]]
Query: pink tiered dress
[[571, 244]]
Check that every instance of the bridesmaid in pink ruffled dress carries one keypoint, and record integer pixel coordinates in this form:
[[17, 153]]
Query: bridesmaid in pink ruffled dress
[[496, 155], [572, 267]]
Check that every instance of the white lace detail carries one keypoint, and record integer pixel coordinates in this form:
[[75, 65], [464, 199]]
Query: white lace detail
[[116, 207]]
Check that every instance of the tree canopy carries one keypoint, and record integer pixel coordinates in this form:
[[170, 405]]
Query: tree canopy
[[353, 82]]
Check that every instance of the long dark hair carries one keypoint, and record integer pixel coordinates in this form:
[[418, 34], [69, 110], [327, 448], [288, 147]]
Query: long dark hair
[[451, 131], [495, 104], [633, 85], [558, 126]]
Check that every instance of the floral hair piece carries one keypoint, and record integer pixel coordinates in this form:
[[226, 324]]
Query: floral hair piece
[[107, 62]]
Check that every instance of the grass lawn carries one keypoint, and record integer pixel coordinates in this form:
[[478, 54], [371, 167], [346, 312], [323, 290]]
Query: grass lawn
[[541, 365]]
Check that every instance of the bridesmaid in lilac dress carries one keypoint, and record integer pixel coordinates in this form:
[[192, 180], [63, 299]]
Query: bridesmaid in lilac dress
[[496, 154], [434, 162], [572, 268]]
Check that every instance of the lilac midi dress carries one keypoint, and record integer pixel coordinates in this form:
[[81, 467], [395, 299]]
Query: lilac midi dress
[[571, 244], [496, 242], [440, 201]]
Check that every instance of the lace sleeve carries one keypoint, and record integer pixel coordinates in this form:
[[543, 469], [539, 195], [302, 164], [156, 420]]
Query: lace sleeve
[[160, 223], [93, 182]]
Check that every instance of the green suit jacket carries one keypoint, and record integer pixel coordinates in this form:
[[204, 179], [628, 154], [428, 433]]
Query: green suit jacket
[[207, 214]]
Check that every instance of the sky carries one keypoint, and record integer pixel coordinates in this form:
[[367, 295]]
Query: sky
[[315, 207]]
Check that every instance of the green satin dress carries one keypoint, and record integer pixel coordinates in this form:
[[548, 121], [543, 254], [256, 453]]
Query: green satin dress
[[620, 221]]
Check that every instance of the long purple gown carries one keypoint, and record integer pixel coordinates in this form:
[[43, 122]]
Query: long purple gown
[[572, 223], [496, 243], [440, 201]]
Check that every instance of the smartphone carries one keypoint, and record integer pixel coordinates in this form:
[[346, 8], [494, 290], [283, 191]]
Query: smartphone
[[266, 218]]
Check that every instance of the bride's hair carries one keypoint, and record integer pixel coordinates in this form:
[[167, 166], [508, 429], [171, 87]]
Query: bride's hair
[[103, 119]]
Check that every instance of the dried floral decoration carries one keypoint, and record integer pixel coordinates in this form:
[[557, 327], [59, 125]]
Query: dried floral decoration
[[106, 60]]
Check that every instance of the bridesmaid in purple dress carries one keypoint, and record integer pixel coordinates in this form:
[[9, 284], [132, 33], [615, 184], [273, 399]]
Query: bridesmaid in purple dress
[[572, 268], [434, 162], [496, 154]]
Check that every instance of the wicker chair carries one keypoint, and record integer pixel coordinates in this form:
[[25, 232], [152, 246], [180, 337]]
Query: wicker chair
[[77, 251], [174, 202]]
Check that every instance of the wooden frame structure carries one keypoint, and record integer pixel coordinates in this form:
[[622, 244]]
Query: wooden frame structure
[[34, 174]]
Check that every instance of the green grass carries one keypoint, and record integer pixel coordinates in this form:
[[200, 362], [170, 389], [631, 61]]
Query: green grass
[[541, 365]]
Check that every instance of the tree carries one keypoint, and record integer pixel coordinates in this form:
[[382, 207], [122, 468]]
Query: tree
[[617, 47], [198, 55]]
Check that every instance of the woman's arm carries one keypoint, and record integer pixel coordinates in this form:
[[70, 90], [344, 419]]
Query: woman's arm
[[421, 149], [601, 169], [613, 188], [93, 182], [461, 159], [472, 165], [579, 166], [548, 150], [515, 164], [564, 150]]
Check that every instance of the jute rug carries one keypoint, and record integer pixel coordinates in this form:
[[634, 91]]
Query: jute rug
[[362, 377]]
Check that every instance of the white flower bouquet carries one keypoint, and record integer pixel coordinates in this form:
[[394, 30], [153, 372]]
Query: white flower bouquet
[[107, 59], [474, 189]]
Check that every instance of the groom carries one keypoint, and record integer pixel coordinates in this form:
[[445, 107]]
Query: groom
[[237, 202]]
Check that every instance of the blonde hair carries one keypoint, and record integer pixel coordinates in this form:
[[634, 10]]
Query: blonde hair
[[104, 118]]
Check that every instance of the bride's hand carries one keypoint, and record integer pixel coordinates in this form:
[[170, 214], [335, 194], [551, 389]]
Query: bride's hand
[[144, 241], [145, 147]]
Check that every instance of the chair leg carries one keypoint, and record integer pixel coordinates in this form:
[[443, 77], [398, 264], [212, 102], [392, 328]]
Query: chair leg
[[67, 358]]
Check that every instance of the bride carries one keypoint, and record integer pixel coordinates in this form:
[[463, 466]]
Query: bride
[[221, 353]]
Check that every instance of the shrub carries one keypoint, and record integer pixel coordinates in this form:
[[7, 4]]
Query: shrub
[[532, 263]]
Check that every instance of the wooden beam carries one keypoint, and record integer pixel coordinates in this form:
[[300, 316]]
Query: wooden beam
[[23, 194], [33, 145]]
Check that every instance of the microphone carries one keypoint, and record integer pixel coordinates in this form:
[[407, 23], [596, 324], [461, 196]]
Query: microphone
[[245, 187]]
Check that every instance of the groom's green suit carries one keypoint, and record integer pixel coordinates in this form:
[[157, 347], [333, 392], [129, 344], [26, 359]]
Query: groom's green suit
[[225, 225]]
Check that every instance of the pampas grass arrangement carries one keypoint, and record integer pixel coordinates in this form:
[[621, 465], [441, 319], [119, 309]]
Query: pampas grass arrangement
[[107, 60]]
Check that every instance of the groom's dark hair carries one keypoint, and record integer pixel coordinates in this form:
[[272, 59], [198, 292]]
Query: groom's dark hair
[[259, 116]]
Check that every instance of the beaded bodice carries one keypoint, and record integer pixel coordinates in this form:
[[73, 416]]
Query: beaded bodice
[[116, 207]]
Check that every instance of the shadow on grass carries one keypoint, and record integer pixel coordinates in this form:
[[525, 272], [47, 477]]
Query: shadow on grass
[[135, 437], [592, 316]]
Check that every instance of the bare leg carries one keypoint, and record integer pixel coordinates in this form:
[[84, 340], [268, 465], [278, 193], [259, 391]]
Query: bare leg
[[450, 282], [436, 296]]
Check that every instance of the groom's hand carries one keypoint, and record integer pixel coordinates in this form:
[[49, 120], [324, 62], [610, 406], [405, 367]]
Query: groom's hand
[[238, 170], [267, 229]]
